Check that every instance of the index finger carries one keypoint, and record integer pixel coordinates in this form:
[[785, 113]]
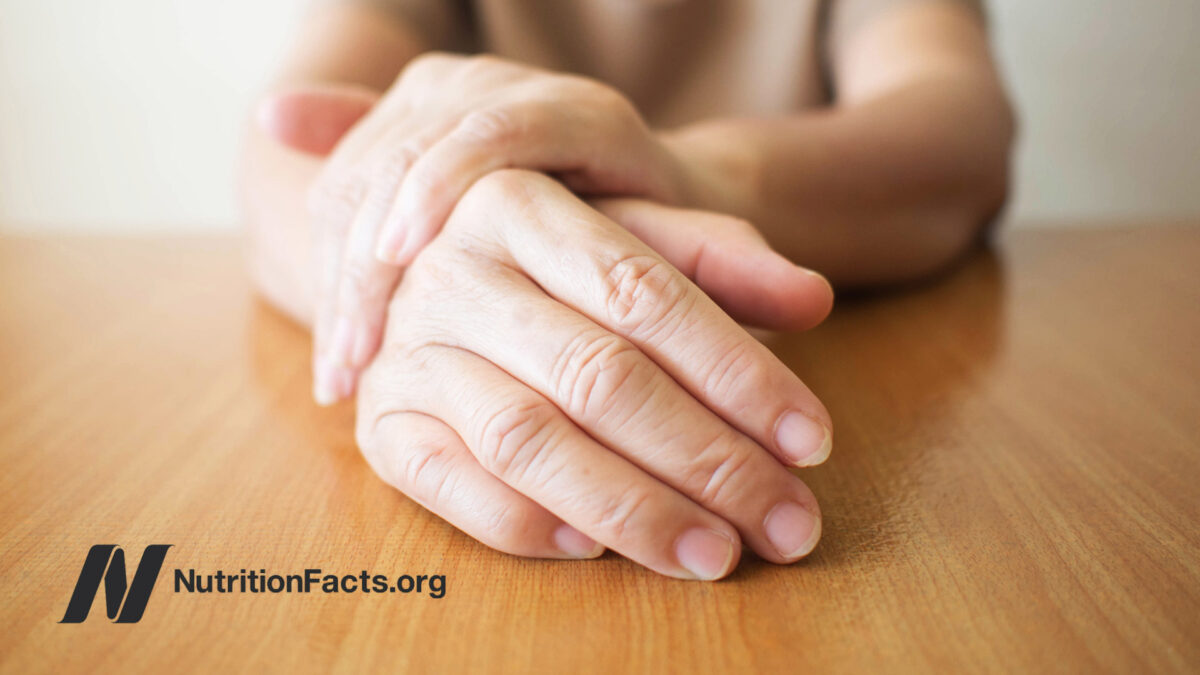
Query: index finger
[[599, 269]]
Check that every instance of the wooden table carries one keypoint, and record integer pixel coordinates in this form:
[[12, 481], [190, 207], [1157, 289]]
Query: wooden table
[[1015, 485]]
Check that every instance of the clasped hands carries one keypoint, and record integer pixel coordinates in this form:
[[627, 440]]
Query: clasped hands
[[543, 336]]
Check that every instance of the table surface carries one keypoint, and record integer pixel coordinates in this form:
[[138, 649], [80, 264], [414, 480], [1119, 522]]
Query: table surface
[[1015, 484]]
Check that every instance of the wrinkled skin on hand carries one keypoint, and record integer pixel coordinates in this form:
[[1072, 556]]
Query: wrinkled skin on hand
[[391, 182], [552, 385]]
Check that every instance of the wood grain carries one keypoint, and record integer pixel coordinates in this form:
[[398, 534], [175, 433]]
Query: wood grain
[[1015, 485]]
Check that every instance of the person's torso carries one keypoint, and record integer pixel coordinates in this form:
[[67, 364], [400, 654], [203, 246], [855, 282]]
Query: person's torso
[[678, 62]]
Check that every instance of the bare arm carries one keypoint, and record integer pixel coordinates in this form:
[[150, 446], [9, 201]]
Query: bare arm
[[896, 179]]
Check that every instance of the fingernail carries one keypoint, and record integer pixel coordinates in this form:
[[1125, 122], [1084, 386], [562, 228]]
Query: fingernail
[[344, 383], [362, 346], [389, 248], [324, 391], [705, 553], [803, 440], [341, 342], [330, 383], [408, 250], [792, 530], [575, 543]]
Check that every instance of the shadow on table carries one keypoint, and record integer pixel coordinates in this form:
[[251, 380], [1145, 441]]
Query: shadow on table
[[893, 368]]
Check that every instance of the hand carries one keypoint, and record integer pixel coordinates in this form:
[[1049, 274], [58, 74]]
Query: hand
[[393, 180], [551, 386]]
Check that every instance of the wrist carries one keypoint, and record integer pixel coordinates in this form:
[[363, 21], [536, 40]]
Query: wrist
[[719, 167]]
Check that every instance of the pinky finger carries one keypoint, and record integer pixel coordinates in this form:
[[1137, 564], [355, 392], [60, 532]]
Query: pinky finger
[[426, 460]]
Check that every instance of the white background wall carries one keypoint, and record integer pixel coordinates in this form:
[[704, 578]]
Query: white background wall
[[124, 115]]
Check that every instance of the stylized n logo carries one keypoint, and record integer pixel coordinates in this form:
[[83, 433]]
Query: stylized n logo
[[108, 562]]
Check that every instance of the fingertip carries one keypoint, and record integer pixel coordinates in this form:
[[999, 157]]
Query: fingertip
[[576, 544], [312, 119], [331, 383], [818, 299], [342, 341], [777, 294], [803, 439], [796, 298], [323, 394], [707, 554], [793, 530]]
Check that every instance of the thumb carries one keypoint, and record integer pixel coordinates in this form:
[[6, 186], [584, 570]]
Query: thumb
[[314, 118], [730, 261]]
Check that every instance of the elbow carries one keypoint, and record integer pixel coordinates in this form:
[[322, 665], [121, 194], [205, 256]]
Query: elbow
[[958, 218], [924, 241], [934, 204], [946, 232]]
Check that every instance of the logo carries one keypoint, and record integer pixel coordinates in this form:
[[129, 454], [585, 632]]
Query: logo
[[124, 600]]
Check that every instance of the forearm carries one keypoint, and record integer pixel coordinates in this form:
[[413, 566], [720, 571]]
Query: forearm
[[885, 191], [896, 178]]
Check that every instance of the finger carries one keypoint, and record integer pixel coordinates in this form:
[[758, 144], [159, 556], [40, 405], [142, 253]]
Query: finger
[[353, 307], [331, 382], [332, 204], [730, 261], [426, 460], [529, 136], [522, 439], [313, 119], [623, 400], [602, 271], [364, 285]]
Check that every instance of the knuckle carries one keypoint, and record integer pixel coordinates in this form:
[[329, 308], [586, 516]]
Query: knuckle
[[736, 369], [508, 527], [622, 512], [394, 163], [426, 472], [506, 188], [365, 284], [644, 295], [602, 98], [614, 102], [490, 126], [385, 388], [512, 440], [482, 64], [715, 475], [595, 371], [442, 278], [425, 65], [743, 227]]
